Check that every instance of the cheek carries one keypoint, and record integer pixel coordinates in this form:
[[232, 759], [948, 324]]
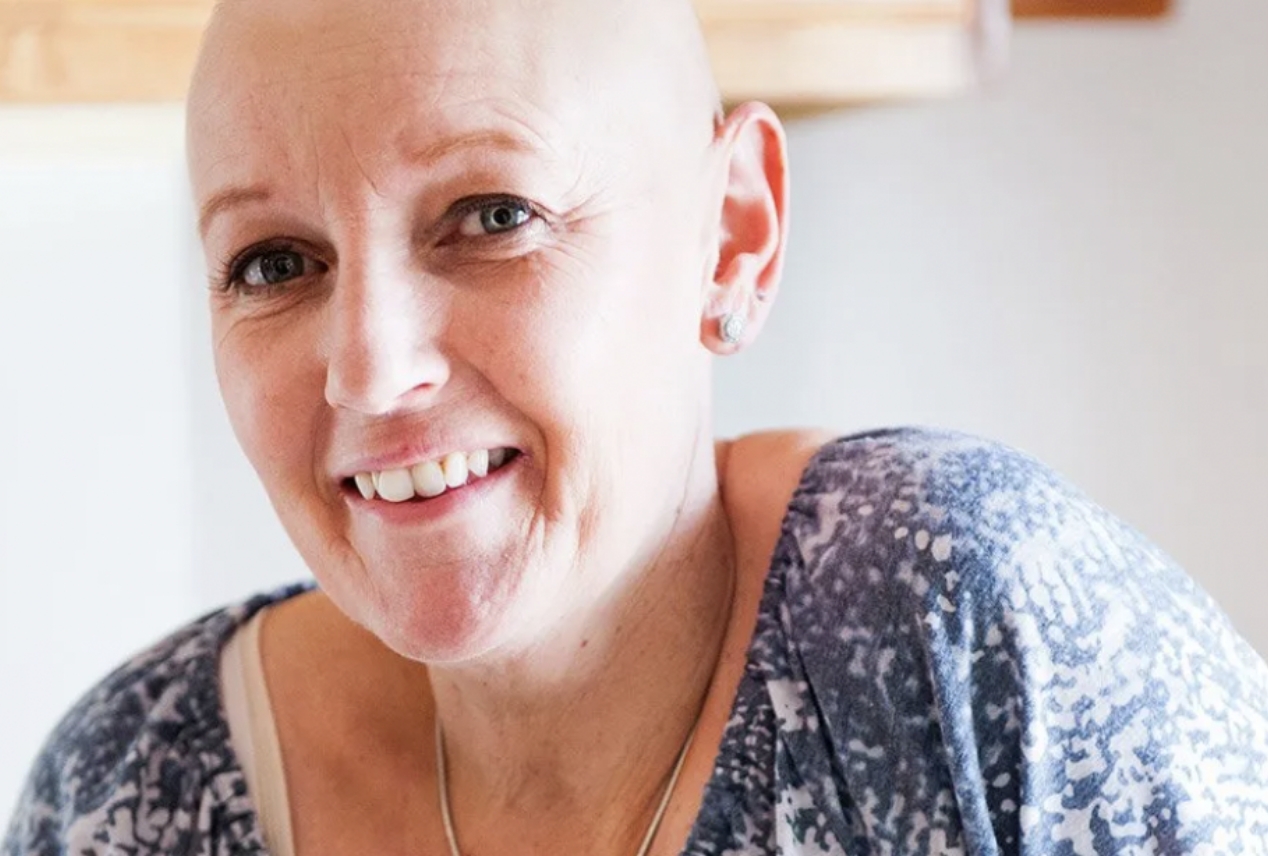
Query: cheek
[[585, 349], [588, 335], [526, 332], [272, 394]]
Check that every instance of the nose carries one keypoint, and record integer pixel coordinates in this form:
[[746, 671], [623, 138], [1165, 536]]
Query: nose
[[382, 330]]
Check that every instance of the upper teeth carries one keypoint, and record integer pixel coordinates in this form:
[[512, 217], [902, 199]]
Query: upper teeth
[[430, 478]]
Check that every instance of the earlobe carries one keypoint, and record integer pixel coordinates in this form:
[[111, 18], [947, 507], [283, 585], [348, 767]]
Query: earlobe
[[753, 227]]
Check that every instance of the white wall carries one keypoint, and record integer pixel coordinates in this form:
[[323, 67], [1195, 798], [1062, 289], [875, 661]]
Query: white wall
[[94, 407], [1075, 263]]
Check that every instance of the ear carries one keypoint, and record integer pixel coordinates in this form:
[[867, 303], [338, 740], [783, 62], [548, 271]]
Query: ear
[[753, 230]]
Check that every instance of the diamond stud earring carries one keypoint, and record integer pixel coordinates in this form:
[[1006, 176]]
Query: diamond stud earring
[[732, 328]]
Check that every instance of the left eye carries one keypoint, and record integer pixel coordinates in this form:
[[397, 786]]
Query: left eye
[[495, 218]]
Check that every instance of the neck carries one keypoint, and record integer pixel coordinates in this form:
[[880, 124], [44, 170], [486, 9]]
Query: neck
[[578, 734]]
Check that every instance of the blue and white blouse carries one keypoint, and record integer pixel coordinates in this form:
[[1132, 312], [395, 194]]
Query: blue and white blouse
[[956, 653]]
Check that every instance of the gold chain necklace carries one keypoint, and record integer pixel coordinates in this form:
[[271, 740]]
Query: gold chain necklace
[[442, 782]]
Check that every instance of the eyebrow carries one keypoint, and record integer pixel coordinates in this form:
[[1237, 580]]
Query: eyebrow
[[226, 199]]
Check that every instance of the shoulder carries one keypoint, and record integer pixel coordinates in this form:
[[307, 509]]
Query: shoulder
[[890, 488], [976, 564], [953, 526], [959, 498], [954, 601], [150, 737]]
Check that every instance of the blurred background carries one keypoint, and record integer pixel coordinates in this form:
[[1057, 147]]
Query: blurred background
[[1070, 256]]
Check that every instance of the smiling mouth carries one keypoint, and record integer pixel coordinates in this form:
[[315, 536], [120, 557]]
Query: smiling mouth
[[430, 479]]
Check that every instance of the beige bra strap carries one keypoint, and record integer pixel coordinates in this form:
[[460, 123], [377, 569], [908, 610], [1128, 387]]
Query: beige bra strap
[[253, 734]]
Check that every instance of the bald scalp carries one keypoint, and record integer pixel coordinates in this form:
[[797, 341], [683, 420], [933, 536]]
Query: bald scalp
[[639, 60]]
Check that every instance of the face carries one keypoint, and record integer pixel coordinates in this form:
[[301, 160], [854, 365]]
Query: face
[[432, 235]]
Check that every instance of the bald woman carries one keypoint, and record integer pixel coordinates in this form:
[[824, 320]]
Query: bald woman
[[471, 264]]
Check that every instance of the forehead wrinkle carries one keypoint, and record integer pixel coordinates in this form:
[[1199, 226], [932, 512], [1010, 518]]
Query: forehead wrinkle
[[356, 159], [449, 146]]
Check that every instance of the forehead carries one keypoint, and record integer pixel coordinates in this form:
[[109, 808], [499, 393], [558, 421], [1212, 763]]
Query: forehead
[[384, 80], [335, 43]]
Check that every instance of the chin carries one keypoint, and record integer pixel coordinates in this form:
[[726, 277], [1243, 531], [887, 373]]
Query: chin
[[444, 619], [439, 643]]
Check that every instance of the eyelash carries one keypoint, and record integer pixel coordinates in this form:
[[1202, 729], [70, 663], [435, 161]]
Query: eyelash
[[467, 207], [229, 275]]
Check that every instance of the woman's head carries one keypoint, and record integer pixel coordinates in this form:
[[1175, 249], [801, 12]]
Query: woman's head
[[439, 227]]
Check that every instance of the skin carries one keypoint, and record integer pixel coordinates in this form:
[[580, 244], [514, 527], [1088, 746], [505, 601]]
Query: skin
[[575, 619]]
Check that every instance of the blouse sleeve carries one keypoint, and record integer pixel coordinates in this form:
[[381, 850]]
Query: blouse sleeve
[[981, 660], [142, 763]]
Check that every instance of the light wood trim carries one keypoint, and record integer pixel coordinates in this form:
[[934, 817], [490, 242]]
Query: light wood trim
[[80, 50], [785, 51], [1092, 8], [843, 64], [834, 12]]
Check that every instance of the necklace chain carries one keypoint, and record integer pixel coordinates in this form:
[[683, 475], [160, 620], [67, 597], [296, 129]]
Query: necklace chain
[[442, 783]]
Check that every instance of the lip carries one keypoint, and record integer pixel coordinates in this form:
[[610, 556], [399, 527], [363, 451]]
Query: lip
[[447, 503]]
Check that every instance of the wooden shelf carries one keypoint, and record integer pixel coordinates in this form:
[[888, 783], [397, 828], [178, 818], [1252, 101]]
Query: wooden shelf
[[98, 50], [788, 52], [808, 53]]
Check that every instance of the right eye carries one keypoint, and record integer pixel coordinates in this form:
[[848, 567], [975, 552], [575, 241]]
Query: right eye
[[268, 269]]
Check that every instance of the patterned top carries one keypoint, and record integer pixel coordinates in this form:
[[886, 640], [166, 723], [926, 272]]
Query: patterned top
[[956, 653]]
